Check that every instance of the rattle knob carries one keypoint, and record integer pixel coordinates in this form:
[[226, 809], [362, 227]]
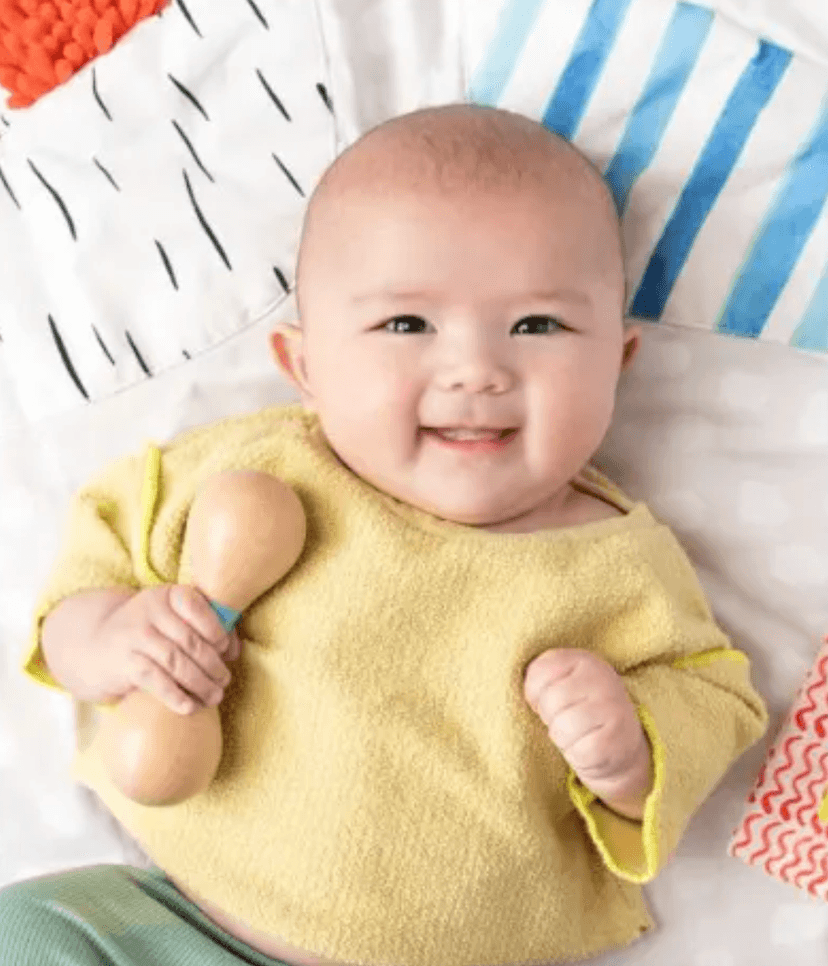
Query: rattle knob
[[157, 757], [245, 530]]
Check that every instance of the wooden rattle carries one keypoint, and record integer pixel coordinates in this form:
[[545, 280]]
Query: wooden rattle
[[245, 530]]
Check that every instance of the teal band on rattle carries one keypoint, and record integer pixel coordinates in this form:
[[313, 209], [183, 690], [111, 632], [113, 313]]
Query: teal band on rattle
[[226, 615]]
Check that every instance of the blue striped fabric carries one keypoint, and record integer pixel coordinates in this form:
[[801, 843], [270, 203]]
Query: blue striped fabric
[[751, 93], [781, 237], [675, 59], [812, 331], [567, 105], [781, 234], [516, 23]]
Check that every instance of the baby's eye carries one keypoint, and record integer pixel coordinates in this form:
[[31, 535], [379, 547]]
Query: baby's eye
[[405, 323], [537, 323]]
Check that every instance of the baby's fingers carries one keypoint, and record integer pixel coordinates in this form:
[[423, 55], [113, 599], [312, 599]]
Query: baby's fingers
[[189, 661], [153, 676], [195, 610], [201, 652], [552, 667]]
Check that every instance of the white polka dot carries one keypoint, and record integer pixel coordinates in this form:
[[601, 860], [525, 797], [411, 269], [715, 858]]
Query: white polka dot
[[675, 359], [800, 565], [813, 423], [714, 957], [794, 924], [761, 504], [744, 391]]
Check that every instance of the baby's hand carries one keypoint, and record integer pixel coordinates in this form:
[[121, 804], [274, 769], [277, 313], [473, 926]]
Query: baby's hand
[[590, 717], [169, 642]]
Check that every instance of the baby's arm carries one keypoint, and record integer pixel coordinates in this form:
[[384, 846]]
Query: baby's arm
[[694, 715], [166, 640], [592, 721]]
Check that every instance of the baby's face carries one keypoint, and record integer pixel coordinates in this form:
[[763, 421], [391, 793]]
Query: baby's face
[[462, 349]]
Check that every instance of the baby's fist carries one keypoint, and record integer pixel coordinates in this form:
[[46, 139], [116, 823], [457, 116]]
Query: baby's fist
[[589, 716]]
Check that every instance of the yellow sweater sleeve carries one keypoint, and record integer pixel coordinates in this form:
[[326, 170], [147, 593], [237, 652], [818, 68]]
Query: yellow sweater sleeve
[[699, 712], [103, 544]]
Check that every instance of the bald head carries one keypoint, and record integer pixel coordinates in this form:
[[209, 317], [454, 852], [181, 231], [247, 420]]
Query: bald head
[[461, 149]]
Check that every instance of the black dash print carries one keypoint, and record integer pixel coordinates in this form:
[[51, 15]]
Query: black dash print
[[190, 97], [205, 226], [57, 198], [102, 344], [185, 353], [192, 150], [3, 119], [106, 174], [7, 186], [167, 264], [323, 93], [289, 176], [272, 95], [98, 96], [64, 355], [282, 279], [138, 356], [259, 14], [188, 17]]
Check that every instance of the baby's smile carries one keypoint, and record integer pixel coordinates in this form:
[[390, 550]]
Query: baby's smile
[[469, 440]]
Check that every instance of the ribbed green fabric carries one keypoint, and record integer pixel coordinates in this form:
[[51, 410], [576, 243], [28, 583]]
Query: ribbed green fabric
[[112, 915]]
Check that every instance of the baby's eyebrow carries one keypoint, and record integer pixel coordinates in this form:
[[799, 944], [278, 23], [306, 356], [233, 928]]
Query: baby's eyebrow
[[560, 295], [424, 295], [401, 296]]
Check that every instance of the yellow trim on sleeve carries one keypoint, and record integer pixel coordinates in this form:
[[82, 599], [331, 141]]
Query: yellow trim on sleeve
[[150, 490], [629, 848], [703, 658], [33, 664]]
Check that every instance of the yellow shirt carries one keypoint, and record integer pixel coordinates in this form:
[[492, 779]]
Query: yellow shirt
[[386, 795]]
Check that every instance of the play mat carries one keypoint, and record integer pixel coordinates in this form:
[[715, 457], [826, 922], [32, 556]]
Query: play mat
[[150, 203]]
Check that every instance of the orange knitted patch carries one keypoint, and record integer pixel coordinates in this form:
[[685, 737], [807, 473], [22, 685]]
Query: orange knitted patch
[[43, 42]]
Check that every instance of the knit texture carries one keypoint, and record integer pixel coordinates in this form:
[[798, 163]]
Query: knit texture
[[386, 794]]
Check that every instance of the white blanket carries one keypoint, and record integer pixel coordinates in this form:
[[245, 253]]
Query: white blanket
[[726, 438]]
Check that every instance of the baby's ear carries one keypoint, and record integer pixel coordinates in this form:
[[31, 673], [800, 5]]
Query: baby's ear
[[287, 346], [632, 343]]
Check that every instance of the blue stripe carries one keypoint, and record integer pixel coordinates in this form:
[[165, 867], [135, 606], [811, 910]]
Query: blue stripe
[[492, 75], [780, 238], [747, 99], [568, 103], [676, 57], [812, 331], [228, 617]]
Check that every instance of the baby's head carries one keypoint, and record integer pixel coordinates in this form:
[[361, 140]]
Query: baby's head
[[461, 269]]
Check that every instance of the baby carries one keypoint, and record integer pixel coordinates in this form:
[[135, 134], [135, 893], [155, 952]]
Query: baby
[[478, 713]]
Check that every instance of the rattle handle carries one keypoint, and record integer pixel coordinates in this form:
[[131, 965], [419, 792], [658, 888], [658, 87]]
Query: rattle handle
[[228, 616]]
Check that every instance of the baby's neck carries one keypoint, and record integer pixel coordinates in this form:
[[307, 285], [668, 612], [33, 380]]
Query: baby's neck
[[576, 508]]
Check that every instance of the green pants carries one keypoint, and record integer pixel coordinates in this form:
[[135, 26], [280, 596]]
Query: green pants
[[112, 915]]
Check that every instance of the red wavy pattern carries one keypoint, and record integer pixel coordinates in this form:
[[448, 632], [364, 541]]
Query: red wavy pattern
[[819, 681], [777, 773], [780, 831]]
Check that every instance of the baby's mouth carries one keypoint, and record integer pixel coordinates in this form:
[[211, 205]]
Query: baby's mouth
[[469, 435]]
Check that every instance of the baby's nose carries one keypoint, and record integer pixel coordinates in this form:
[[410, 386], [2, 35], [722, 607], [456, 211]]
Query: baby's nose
[[476, 373]]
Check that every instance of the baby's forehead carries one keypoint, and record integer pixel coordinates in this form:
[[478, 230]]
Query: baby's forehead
[[444, 153], [459, 148]]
